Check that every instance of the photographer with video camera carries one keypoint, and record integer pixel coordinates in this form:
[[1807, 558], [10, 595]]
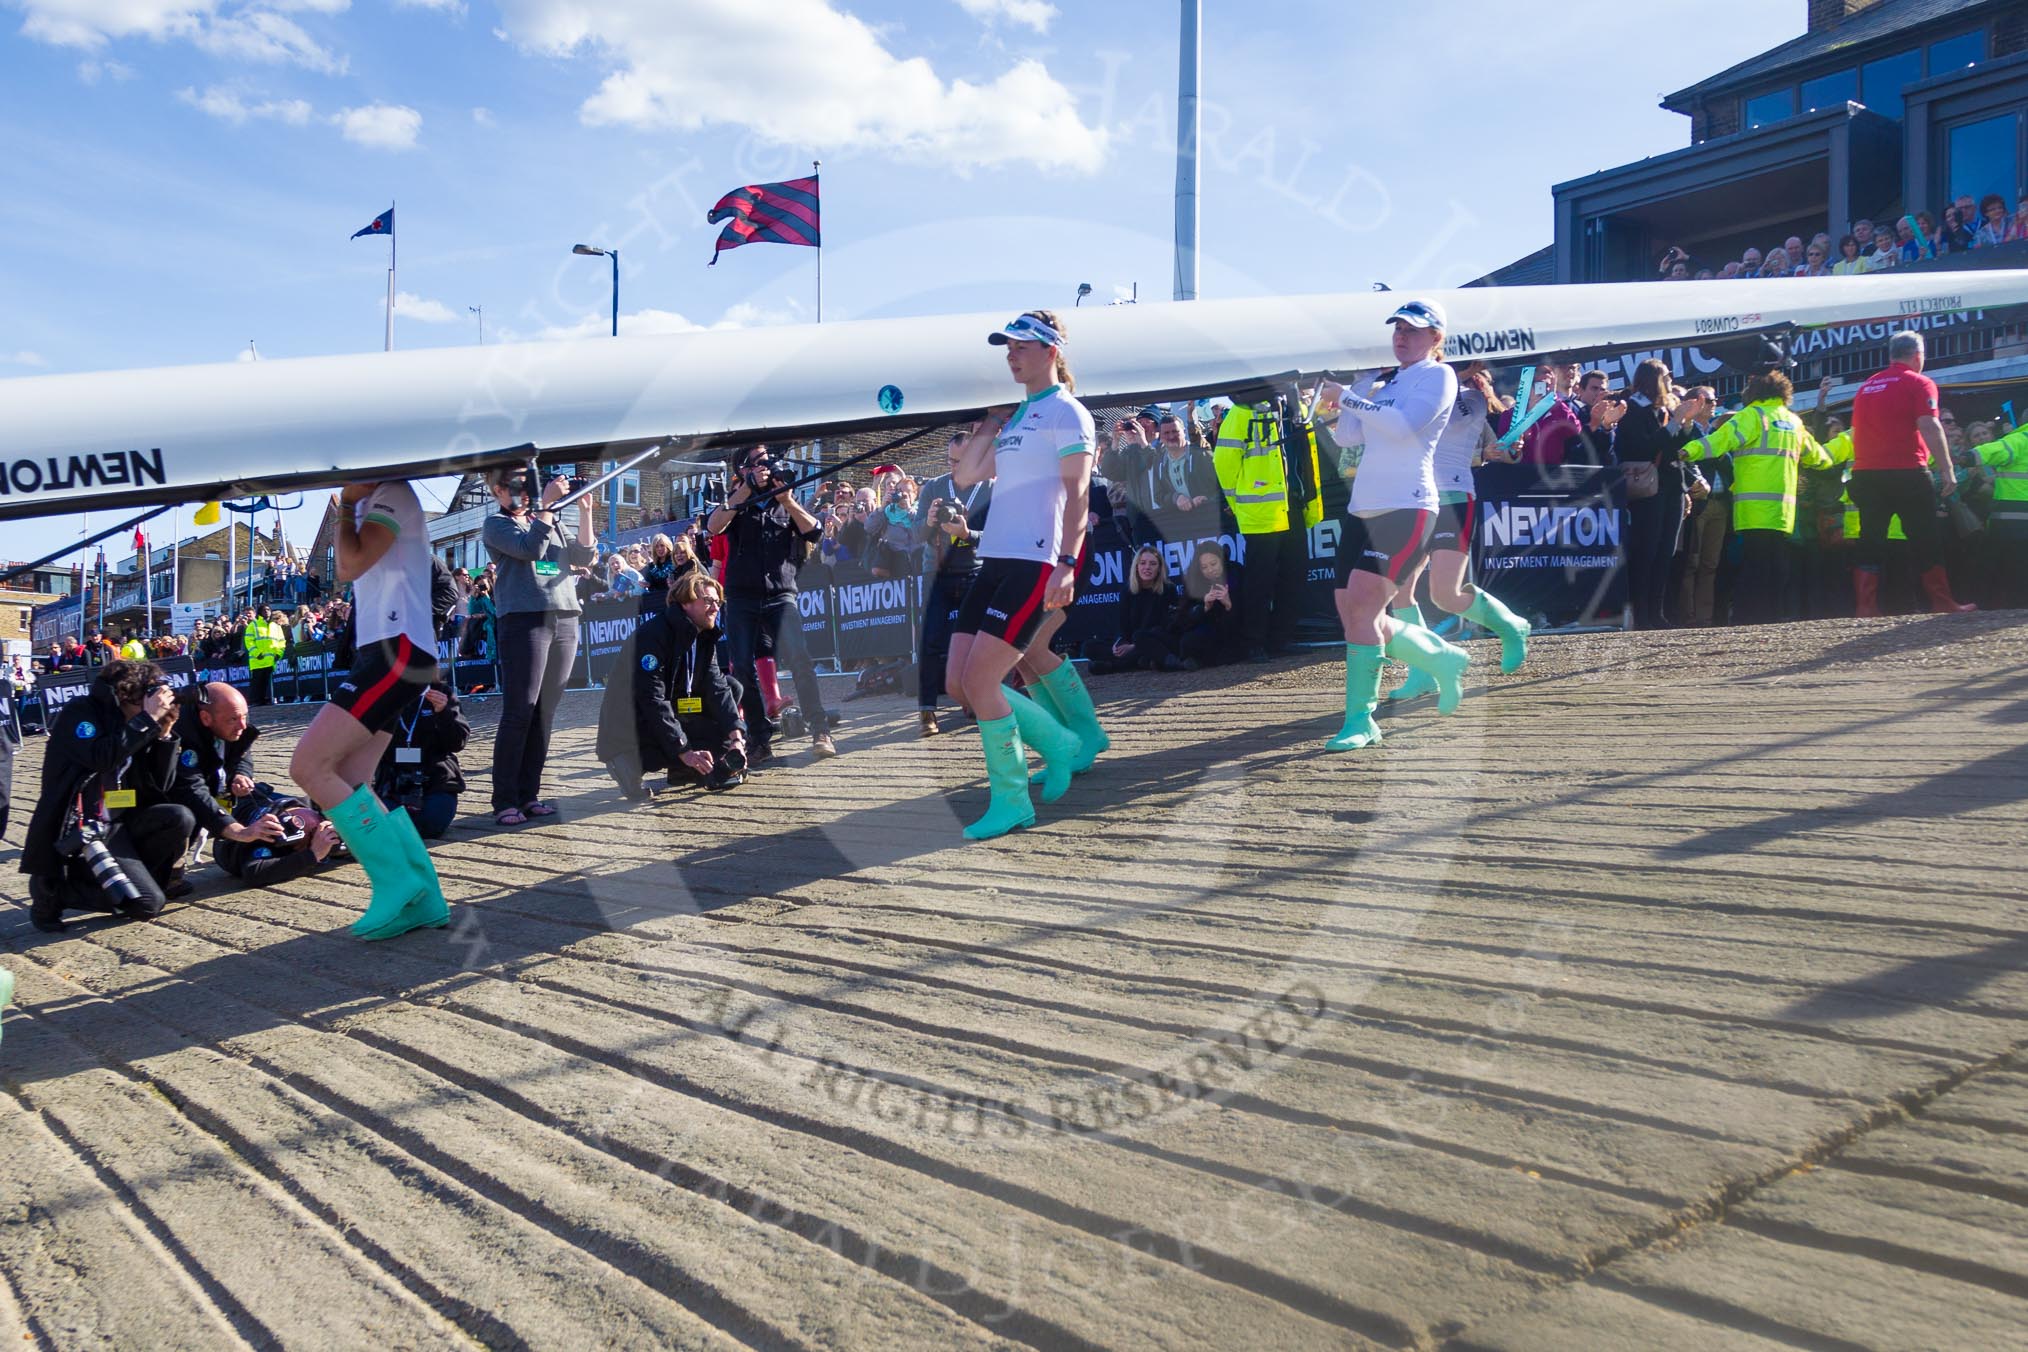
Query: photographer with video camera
[[419, 770], [948, 522], [118, 808], [768, 533], [304, 839], [536, 597], [667, 704]]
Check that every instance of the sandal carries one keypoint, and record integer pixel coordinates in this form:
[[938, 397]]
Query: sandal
[[539, 809], [512, 816]]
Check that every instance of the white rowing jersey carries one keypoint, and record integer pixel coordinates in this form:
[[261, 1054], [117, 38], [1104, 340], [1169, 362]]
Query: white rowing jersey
[[1400, 426], [1028, 493], [392, 597], [1460, 441]]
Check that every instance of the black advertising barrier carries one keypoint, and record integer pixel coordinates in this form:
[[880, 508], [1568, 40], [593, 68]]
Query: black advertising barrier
[[603, 630], [53, 690], [1095, 611], [818, 636], [1548, 541], [874, 620]]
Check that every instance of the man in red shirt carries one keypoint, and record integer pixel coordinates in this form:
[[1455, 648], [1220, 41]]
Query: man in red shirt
[[1895, 433]]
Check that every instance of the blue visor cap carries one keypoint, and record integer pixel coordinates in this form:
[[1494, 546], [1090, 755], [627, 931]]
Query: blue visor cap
[[1027, 329], [1421, 314]]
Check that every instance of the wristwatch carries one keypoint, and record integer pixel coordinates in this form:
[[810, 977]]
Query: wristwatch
[[1066, 560]]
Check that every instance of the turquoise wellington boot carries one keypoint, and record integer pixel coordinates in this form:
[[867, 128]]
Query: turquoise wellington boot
[[1064, 688], [1362, 692], [1006, 778], [1057, 745], [1418, 683], [1512, 629], [6, 990], [1424, 651], [363, 824], [428, 911]]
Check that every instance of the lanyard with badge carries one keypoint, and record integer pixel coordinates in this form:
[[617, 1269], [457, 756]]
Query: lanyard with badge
[[408, 753]]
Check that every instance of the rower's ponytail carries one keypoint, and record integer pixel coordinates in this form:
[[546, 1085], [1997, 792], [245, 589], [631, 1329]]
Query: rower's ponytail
[[1062, 371]]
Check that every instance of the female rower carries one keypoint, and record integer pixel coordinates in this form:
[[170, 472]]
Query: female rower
[[1039, 457], [1390, 518], [1450, 545]]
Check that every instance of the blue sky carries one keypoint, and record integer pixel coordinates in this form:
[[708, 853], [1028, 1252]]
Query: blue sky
[[182, 175]]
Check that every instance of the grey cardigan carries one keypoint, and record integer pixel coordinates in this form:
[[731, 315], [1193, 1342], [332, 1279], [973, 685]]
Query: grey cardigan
[[517, 544]]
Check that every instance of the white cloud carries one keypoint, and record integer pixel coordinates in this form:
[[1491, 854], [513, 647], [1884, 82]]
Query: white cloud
[[408, 306], [249, 33], [653, 323], [800, 72], [259, 35], [483, 116], [1034, 14], [448, 6], [227, 106], [380, 126], [23, 358], [91, 72], [247, 353]]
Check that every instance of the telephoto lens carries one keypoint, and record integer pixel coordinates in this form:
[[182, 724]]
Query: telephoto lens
[[107, 873]]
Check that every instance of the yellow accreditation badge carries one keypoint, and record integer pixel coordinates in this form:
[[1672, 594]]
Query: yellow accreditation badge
[[689, 706], [119, 798]]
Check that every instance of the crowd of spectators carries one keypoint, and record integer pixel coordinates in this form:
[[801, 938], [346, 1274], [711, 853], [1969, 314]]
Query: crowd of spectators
[[1960, 227]]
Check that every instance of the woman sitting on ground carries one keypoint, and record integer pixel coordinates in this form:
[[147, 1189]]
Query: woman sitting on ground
[[1207, 625], [1148, 613]]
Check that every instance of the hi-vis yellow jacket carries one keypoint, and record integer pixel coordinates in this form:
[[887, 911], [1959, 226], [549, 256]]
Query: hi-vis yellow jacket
[[1766, 441], [2007, 459], [1254, 475], [1839, 448]]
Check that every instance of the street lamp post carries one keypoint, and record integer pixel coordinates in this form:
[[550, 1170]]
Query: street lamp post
[[1083, 290], [614, 254], [479, 311]]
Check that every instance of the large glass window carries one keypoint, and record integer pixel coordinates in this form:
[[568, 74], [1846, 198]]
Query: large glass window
[[1881, 82], [1830, 91], [1770, 108], [1956, 53], [1983, 157]]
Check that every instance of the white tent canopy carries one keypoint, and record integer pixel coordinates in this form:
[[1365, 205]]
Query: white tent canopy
[[71, 442]]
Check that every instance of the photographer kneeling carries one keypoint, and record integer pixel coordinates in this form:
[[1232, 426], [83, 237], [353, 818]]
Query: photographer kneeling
[[419, 771], [216, 738], [668, 705], [304, 839], [118, 807]]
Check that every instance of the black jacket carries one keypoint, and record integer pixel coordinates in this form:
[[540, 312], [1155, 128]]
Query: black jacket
[[89, 746], [1154, 492], [439, 736], [947, 558], [212, 761], [1193, 612], [665, 661], [766, 548], [1146, 610], [1643, 436]]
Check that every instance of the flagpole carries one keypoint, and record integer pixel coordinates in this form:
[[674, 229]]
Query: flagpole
[[390, 275], [81, 577], [815, 166], [147, 589]]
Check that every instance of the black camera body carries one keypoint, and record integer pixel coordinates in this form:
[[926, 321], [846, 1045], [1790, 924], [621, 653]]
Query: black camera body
[[407, 788]]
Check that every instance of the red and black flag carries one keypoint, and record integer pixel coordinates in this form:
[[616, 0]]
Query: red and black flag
[[768, 213]]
